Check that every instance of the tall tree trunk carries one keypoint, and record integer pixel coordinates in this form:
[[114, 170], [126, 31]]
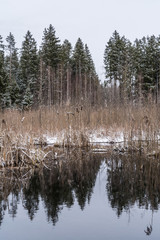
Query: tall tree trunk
[[157, 88], [115, 91], [61, 85], [49, 86], [140, 88], [85, 88], [80, 82], [77, 92], [68, 84], [10, 67], [40, 82], [90, 88]]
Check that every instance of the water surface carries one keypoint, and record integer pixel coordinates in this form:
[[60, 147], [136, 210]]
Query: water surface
[[88, 196]]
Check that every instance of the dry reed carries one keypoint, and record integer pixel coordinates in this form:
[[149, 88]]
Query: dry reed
[[20, 131]]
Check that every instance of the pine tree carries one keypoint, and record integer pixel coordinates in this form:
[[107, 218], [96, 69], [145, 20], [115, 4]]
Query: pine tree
[[90, 75], [79, 56], [117, 65], [66, 52], [11, 66], [3, 76], [50, 47], [65, 73], [50, 50], [11, 59], [90, 67], [112, 61], [78, 69], [139, 58], [27, 101], [146, 60], [125, 70], [29, 63], [151, 65]]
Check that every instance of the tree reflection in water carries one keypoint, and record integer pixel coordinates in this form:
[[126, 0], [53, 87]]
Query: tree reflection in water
[[73, 175], [133, 179], [130, 180]]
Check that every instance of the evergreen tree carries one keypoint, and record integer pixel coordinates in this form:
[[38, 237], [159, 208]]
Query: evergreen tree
[[11, 59], [50, 51], [27, 101], [151, 64], [117, 63], [66, 52], [65, 71], [50, 47], [112, 62], [11, 66], [90, 76], [79, 56], [139, 58], [78, 70], [29, 64], [111, 58], [125, 70], [3, 76], [90, 67], [146, 60]]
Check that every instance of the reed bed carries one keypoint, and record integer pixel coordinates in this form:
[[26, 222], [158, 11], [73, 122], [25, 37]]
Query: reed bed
[[53, 120], [22, 131]]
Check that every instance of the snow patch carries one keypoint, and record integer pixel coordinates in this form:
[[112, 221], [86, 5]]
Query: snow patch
[[54, 139], [94, 136], [100, 136], [51, 140]]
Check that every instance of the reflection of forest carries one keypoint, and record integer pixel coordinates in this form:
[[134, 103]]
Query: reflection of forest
[[73, 175], [133, 179]]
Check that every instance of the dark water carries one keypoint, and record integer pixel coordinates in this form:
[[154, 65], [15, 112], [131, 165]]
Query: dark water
[[89, 196]]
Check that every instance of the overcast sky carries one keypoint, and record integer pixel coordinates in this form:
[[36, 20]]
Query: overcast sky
[[93, 21]]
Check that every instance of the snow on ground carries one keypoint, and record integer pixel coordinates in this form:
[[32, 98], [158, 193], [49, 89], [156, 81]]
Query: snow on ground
[[97, 136], [58, 138], [51, 140], [100, 136]]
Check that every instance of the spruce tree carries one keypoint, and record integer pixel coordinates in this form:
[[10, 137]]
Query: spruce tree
[[50, 50], [3, 75], [78, 69], [151, 65], [29, 64], [79, 56], [112, 63], [50, 47], [117, 65], [90, 67], [66, 52], [27, 101], [11, 59], [65, 71], [139, 58], [90, 83], [11, 66]]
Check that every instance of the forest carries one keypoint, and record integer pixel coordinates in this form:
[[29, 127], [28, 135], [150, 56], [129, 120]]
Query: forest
[[54, 74], [59, 74], [133, 69]]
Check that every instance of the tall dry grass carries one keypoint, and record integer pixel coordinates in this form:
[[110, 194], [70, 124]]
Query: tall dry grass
[[133, 120], [20, 130]]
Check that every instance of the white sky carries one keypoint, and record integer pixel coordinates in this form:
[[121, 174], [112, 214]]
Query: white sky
[[93, 21]]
